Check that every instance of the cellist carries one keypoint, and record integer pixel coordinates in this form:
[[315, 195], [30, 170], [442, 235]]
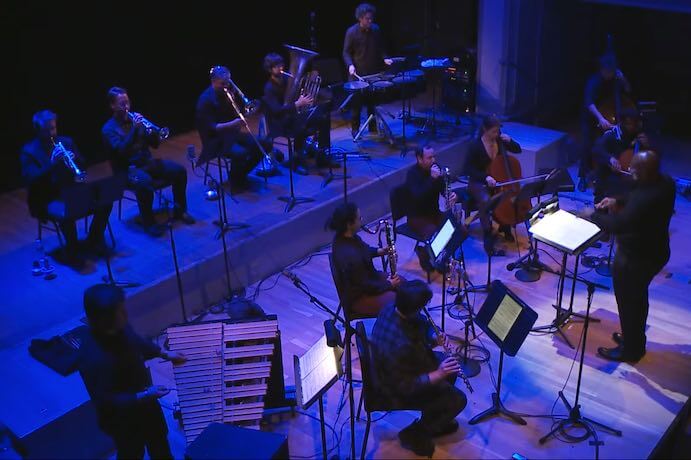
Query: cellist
[[491, 144]]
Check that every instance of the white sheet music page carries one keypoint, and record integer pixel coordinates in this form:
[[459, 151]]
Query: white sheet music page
[[317, 369], [565, 230], [504, 318]]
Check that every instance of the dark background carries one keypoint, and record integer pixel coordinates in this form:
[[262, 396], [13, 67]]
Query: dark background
[[64, 57]]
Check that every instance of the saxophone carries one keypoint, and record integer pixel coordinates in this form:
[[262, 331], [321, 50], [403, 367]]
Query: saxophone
[[448, 351]]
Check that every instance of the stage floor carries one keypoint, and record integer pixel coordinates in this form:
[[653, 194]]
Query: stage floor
[[642, 399]]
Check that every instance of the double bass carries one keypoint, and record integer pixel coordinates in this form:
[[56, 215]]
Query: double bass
[[506, 170]]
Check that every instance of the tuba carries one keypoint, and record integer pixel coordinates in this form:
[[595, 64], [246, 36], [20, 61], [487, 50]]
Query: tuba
[[302, 83]]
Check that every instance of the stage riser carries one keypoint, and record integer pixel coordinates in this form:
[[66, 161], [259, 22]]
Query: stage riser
[[271, 250]]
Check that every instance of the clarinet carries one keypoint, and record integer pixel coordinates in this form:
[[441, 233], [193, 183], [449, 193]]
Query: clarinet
[[390, 249], [447, 350]]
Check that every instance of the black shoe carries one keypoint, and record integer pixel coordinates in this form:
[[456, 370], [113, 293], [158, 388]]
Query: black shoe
[[619, 354], [184, 217], [414, 438], [98, 247], [424, 258], [618, 338], [449, 428], [508, 235], [301, 170], [155, 230], [582, 184]]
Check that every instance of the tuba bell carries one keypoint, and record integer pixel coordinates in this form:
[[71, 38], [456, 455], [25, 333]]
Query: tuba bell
[[302, 82]]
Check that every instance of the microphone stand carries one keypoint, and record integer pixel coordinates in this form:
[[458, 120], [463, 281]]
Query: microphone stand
[[170, 207], [316, 302]]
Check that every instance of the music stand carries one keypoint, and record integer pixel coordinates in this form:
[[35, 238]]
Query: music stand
[[104, 192], [441, 246], [507, 320], [570, 235], [315, 373]]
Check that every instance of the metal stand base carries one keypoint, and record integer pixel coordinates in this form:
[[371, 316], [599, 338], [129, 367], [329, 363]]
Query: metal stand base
[[497, 409]]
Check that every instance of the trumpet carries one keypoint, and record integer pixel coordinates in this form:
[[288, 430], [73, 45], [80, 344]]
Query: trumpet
[[448, 351], [163, 133], [61, 153]]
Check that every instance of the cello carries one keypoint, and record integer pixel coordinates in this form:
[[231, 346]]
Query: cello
[[506, 170]]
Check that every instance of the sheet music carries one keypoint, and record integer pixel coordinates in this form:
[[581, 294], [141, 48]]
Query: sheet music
[[505, 317], [317, 369], [565, 230]]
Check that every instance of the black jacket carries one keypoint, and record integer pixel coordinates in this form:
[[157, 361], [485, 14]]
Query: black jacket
[[477, 161]]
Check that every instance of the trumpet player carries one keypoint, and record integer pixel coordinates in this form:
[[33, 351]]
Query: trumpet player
[[129, 138], [411, 374], [367, 290], [284, 118], [47, 174]]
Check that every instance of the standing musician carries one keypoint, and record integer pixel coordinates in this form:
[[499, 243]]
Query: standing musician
[[491, 144], [600, 93], [112, 365], [640, 222], [614, 147], [363, 54], [366, 290], [222, 131], [286, 118], [411, 374], [46, 174], [129, 141]]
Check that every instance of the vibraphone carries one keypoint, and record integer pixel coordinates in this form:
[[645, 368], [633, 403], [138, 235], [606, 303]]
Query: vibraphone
[[226, 376]]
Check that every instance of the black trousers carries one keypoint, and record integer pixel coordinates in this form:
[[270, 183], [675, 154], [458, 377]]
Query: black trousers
[[244, 156], [149, 432], [631, 278], [69, 227], [359, 100], [140, 179]]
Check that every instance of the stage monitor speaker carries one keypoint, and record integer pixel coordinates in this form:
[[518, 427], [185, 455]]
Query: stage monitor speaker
[[219, 440]]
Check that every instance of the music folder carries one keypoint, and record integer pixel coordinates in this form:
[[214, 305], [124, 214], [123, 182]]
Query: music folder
[[565, 231], [316, 371]]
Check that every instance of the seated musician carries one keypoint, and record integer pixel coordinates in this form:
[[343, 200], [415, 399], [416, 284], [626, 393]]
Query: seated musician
[[363, 54], [491, 144], [611, 148], [221, 130], [46, 175], [640, 222], [284, 118], [129, 141], [112, 365], [366, 289], [600, 90], [411, 374]]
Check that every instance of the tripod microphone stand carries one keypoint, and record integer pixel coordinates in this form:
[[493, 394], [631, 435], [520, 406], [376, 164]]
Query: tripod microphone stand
[[170, 206], [575, 418]]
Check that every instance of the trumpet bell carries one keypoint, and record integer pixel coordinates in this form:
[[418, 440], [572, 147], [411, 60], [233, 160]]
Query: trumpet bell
[[163, 133]]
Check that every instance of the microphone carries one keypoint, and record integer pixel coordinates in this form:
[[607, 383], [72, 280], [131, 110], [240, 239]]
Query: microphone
[[511, 266], [292, 276]]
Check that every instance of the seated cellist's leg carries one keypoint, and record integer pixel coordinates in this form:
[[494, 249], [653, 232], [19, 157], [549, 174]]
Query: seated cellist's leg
[[481, 196]]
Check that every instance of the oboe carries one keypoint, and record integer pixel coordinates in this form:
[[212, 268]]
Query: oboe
[[447, 350], [391, 249]]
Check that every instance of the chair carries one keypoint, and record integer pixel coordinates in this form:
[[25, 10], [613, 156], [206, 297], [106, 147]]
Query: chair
[[399, 197], [374, 400], [157, 184], [349, 315]]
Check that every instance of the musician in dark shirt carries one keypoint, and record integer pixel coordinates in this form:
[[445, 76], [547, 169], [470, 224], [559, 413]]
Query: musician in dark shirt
[[296, 119], [221, 130], [425, 183], [410, 373], [608, 150], [46, 176], [366, 289], [128, 141], [363, 54], [640, 222], [481, 152], [600, 88], [112, 365]]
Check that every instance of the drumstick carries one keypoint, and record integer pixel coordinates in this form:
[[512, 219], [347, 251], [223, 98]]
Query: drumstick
[[358, 76]]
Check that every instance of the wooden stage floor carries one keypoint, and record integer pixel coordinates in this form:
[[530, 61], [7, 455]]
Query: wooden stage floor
[[642, 399]]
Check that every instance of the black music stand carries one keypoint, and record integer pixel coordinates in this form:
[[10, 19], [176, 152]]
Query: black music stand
[[507, 320], [441, 246], [103, 192], [292, 200], [571, 238], [314, 376], [575, 419]]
